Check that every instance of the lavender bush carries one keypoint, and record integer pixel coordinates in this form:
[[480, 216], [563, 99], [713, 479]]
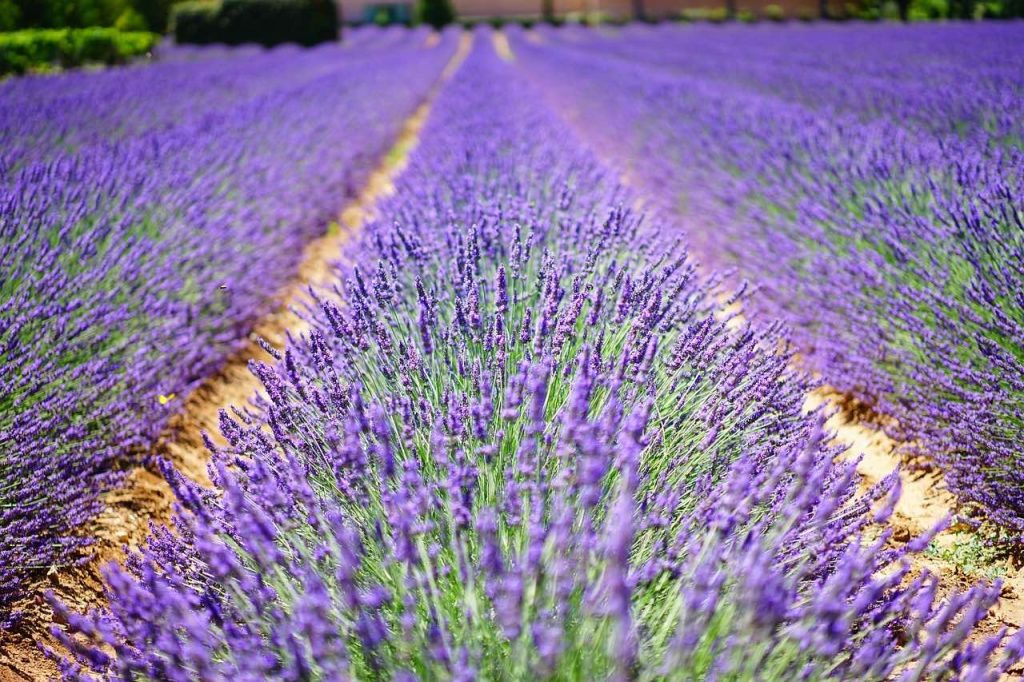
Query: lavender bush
[[136, 251], [527, 446], [186, 86], [869, 179]]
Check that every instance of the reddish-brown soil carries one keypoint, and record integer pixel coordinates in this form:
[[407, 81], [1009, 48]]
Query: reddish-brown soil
[[146, 498], [924, 502]]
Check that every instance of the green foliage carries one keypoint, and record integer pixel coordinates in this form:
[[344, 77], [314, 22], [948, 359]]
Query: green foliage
[[70, 13], [267, 22], [41, 49], [130, 20], [24, 50], [973, 553], [774, 13], [715, 15], [155, 13], [134, 15], [195, 22], [436, 13], [929, 10], [10, 14], [1012, 8], [272, 22]]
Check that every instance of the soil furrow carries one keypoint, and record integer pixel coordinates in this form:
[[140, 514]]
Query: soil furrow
[[924, 502]]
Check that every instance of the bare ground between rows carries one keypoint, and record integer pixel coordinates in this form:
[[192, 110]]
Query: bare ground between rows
[[146, 498], [923, 503]]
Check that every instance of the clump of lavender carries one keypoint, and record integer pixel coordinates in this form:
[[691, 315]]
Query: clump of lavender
[[128, 240], [878, 209], [526, 447]]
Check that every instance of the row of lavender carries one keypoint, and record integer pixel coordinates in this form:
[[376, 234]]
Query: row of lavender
[[138, 242], [870, 180], [526, 444], [188, 86]]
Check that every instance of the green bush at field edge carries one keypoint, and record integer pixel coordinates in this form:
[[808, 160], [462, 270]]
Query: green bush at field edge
[[43, 49], [436, 13], [266, 22]]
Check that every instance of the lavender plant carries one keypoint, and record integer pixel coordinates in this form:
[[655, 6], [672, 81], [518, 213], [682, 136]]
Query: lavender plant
[[869, 187], [195, 86], [526, 445], [129, 251]]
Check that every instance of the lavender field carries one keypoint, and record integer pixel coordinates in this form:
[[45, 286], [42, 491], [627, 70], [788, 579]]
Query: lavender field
[[549, 416]]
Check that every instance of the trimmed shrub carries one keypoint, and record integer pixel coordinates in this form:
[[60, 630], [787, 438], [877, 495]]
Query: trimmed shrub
[[273, 22], [130, 20], [195, 22], [267, 22], [716, 15], [93, 45], [774, 13], [24, 50], [156, 13], [9, 15], [436, 13], [40, 49]]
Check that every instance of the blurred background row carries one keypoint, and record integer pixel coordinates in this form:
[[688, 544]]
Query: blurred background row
[[43, 35], [162, 16]]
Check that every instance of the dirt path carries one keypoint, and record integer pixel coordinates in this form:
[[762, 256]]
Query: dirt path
[[923, 503], [502, 47], [146, 498]]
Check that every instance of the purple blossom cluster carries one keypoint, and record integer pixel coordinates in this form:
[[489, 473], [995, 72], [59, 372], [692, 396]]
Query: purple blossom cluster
[[139, 243], [870, 180], [522, 440]]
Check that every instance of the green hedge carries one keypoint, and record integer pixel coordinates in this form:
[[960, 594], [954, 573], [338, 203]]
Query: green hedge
[[267, 22], [38, 49], [195, 22], [436, 13]]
